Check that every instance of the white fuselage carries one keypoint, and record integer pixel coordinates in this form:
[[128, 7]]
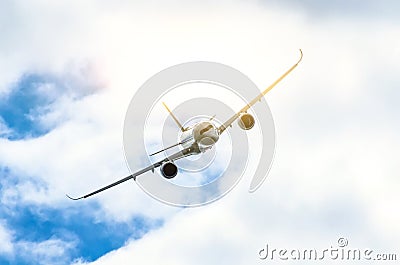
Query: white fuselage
[[204, 134]]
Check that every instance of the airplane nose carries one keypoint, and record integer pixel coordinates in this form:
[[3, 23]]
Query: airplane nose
[[205, 134], [207, 141]]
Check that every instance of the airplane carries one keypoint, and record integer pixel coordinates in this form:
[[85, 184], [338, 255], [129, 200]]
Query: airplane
[[196, 139]]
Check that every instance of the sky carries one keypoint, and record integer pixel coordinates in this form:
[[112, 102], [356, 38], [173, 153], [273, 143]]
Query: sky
[[68, 70]]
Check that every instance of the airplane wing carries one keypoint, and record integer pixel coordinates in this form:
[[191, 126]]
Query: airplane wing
[[228, 123], [178, 155]]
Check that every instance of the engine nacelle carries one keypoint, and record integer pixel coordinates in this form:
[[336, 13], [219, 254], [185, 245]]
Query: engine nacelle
[[169, 170], [246, 121]]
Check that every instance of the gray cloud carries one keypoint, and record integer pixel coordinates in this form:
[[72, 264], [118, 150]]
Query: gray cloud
[[341, 8]]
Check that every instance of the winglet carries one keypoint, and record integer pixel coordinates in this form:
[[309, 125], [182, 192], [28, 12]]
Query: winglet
[[74, 199], [301, 56]]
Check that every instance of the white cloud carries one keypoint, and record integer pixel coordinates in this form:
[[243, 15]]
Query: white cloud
[[337, 141], [4, 129], [5, 239], [50, 251]]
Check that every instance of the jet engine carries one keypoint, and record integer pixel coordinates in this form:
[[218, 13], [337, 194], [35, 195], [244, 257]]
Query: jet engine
[[169, 170], [246, 121]]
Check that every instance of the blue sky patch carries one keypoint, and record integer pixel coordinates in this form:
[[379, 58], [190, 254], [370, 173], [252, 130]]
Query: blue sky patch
[[23, 111], [94, 239], [89, 237], [22, 108]]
